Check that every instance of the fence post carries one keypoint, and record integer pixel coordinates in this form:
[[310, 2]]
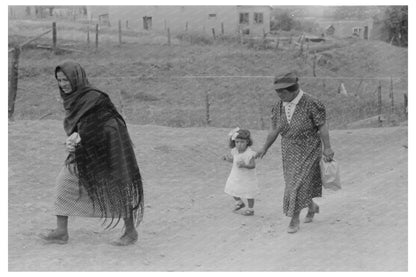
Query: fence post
[[213, 33], [222, 28], [119, 33], [13, 80], [207, 105], [169, 36], [88, 34], [54, 36], [186, 26], [380, 122], [301, 46], [405, 104], [127, 24], [314, 64], [391, 95], [96, 37]]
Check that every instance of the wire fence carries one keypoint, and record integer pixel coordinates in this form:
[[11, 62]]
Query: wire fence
[[227, 101]]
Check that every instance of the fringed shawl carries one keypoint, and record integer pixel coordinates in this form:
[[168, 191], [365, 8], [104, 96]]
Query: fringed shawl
[[104, 159]]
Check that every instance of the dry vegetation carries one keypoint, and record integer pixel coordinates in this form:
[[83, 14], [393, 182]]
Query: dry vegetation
[[146, 78]]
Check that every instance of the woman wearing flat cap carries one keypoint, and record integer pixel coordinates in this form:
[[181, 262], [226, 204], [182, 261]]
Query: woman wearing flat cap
[[300, 119]]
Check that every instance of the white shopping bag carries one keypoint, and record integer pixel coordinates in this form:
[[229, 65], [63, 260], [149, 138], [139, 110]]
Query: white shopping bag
[[330, 175]]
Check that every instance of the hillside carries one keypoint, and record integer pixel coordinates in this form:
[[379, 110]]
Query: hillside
[[149, 81], [188, 223]]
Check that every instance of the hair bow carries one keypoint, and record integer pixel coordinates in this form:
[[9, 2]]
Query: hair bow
[[233, 133]]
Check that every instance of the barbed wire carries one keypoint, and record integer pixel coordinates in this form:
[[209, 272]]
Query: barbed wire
[[246, 76]]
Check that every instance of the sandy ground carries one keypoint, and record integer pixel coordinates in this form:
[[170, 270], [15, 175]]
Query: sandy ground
[[188, 223]]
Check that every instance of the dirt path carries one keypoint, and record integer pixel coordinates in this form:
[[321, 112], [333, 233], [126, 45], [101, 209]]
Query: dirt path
[[188, 224]]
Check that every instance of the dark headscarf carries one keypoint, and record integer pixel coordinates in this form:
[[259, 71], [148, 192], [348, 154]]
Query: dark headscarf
[[82, 98]]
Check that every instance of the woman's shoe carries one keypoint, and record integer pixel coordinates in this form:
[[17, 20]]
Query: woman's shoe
[[54, 237], [248, 212], [311, 213], [126, 239], [238, 206], [293, 229]]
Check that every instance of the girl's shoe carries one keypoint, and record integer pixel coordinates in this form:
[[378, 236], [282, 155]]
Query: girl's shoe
[[239, 205], [311, 213], [248, 212]]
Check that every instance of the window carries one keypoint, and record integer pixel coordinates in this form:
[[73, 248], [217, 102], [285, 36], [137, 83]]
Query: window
[[212, 16], [243, 18], [258, 18], [357, 31]]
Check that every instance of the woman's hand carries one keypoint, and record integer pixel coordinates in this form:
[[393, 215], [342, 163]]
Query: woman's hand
[[328, 154], [261, 153], [72, 141], [70, 146]]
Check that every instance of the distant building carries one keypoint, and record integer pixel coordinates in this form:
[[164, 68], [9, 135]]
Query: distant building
[[347, 28], [20, 12], [251, 20]]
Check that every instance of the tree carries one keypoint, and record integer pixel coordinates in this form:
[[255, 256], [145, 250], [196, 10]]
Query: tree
[[396, 24], [283, 21]]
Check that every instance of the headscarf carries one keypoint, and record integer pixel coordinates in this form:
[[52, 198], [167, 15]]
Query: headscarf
[[81, 99]]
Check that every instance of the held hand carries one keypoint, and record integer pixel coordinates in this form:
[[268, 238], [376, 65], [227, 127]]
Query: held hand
[[328, 154], [240, 164], [261, 153]]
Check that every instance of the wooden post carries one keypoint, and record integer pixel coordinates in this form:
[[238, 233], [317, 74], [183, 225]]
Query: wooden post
[[213, 33], [358, 87], [301, 46], [207, 104], [405, 104], [314, 64], [186, 26], [380, 122], [127, 24], [14, 75], [54, 36], [169, 36], [391, 95], [222, 28], [96, 37], [88, 34], [119, 33], [277, 42]]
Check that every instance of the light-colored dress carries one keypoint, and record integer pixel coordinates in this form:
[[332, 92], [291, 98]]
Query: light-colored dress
[[242, 182]]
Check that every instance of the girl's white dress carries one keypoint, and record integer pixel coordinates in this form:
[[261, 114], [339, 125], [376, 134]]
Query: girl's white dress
[[242, 182]]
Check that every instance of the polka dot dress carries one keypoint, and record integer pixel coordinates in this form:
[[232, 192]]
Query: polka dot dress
[[301, 152]]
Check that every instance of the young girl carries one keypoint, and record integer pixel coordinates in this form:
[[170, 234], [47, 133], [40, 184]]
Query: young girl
[[242, 182]]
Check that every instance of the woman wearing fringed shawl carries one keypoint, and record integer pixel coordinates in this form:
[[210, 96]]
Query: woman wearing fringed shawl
[[100, 177]]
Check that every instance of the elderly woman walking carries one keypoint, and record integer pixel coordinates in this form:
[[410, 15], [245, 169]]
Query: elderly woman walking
[[100, 177], [301, 121]]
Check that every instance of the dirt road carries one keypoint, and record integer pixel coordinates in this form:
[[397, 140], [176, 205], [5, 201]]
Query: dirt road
[[188, 223]]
